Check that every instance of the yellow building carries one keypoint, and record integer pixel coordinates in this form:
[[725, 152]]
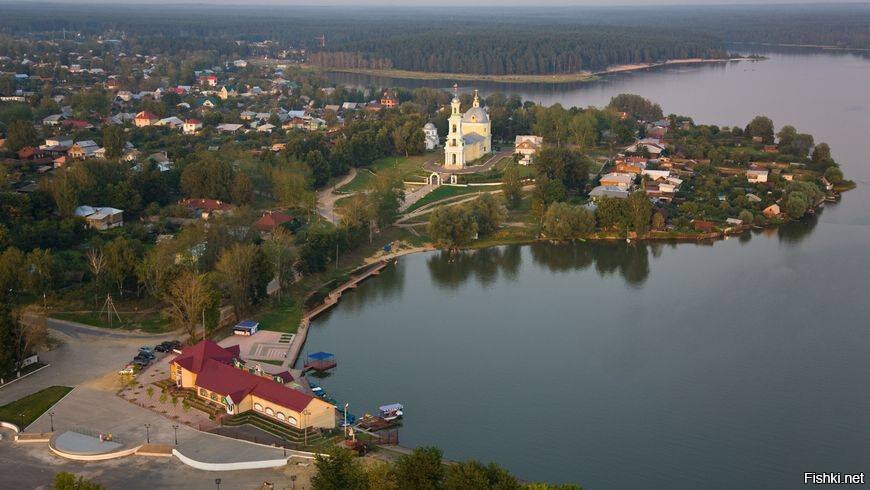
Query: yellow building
[[217, 375], [469, 135]]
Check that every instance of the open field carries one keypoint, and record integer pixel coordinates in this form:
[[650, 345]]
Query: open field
[[410, 168], [146, 322]]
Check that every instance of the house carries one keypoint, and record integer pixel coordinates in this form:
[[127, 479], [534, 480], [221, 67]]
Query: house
[[265, 128], [161, 159], [52, 120], [172, 122], [653, 147], [208, 80], [83, 149], [702, 225], [769, 149], [608, 191], [756, 176], [752, 198], [227, 91], [246, 328], [772, 211], [228, 128], [527, 146], [191, 126], [207, 207], [389, 99], [656, 175], [101, 218], [613, 179], [145, 118], [430, 136], [271, 220], [219, 377], [240, 63]]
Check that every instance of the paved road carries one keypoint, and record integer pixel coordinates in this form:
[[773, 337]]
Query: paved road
[[84, 353], [486, 166], [326, 198], [34, 467]]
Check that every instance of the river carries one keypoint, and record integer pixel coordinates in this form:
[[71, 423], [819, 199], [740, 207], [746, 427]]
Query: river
[[741, 363]]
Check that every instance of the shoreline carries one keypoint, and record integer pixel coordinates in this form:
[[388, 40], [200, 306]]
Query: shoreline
[[584, 76]]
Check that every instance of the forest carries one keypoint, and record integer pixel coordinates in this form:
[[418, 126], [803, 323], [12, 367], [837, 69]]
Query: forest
[[558, 40]]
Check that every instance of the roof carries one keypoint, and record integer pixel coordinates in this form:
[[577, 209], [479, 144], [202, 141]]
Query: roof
[[475, 115], [146, 115], [193, 358], [209, 205], [236, 383], [271, 220], [320, 356]]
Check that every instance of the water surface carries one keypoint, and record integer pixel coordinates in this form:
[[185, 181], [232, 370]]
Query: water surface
[[742, 363]]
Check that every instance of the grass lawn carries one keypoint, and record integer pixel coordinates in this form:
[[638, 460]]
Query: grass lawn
[[147, 322], [444, 192], [25, 410], [281, 314], [411, 168]]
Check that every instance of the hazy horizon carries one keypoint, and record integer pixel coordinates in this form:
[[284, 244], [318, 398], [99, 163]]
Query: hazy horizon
[[454, 3]]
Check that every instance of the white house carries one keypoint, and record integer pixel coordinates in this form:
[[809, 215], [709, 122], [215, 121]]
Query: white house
[[430, 135], [527, 146], [756, 176]]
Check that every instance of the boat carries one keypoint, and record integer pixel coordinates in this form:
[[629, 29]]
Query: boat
[[391, 412]]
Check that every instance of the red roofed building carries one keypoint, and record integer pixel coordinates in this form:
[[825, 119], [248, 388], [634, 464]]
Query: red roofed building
[[218, 376], [389, 100], [145, 118], [207, 207], [271, 220]]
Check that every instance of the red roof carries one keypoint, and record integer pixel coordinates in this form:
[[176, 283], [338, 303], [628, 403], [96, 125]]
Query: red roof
[[192, 121], [193, 358], [209, 205], [271, 220], [214, 373], [146, 115], [75, 123]]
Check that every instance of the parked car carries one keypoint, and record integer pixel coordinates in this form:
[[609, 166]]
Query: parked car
[[129, 369], [168, 346], [141, 361], [146, 351]]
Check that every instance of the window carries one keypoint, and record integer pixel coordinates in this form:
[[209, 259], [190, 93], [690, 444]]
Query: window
[[292, 421], [454, 128], [281, 416], [269, 411], [203, 392], [258, 407]]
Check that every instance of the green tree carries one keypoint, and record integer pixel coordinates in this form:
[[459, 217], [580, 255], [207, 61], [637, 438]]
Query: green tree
[[420, 470], [612, 213], [12, 269], [638, 208], [208, 177], [796, 204], [834, 175], [821, 155], [564, 221], [338, 471], [187, 299], [453, 226], [762, 127], [120, 262], [41, 268], [487, 213], [636, 106], [386, 193], [746, 216], [20, 134], [114, 139], [237, 269], [472, 475], [242, 189], [69, 481], [512, 187]]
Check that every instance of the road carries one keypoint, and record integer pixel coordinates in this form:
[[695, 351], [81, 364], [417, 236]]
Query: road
[[486, 166], [326, 198], [84, 353]]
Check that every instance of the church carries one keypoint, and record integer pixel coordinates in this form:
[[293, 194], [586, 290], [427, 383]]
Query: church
[[469, 135]]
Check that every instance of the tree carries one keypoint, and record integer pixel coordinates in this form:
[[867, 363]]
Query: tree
[[421, 470], [20, 134], [638, 208], [834, 175], [188, 297], [279, 250], [11, 271], [658, 221], [320, 168], [242, 189], [568, 170], [796, 204], [30, 333], [452, 226], [637, 106], [208, 177], [156, 269], [512, 187], [120, 262], [487, 213], [237, 269], [40, 265], [114, 140], [821, 155], [745, 216], [563, 221], [65, 194], [762, 127], [473, 475], [612, 213], [68, 481], [387, 193], [338, 471]]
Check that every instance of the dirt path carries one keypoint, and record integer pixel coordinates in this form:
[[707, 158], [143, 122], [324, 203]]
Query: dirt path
[[327, 197]]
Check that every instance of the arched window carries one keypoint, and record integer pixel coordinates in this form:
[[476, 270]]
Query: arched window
[[269, 411], [281, 416], [292, 421], [258, 407], [454, 128]]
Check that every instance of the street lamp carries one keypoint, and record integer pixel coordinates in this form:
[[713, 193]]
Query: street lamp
[[292, 482], [284, 445], [175, 427], [147, 433], [21, 419], [306, 413], [51, 418], [345, 419], [217, 481]]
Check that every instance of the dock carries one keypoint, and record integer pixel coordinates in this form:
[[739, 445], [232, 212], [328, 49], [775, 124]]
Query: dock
[[331, 300]]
